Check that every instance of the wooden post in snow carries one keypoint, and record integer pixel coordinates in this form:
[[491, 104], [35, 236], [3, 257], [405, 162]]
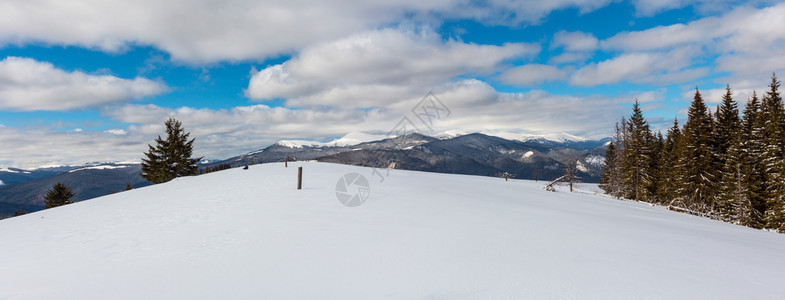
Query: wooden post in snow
[[300, 178]]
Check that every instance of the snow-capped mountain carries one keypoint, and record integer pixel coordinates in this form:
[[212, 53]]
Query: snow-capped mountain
[[523, 137], [475, 154], [249, 234], [350, 139]]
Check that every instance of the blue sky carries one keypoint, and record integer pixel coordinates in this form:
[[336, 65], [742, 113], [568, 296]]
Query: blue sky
[[90, 80]]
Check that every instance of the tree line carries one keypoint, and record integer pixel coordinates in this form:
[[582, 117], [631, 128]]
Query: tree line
[[725, 165]]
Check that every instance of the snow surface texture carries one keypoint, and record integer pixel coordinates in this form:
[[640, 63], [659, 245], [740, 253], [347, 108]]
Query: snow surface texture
[[251, 234]]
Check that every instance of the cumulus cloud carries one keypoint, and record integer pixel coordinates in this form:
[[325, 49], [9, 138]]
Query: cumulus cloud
[[743, 38], [28, 85], [641, 67], [221, 133], [715, 95], [574, 41], [236, 30], [532, 74], [615, 69], [32, 147], [377, 68], [651, 7]]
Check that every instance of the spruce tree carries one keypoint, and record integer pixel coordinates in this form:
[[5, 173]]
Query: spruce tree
[[609, 179], [753, 143], [656, 143], [698, 168], [773, 116], [636, 157], [668, 158], [727, 151], [59, 194], [727, 125], [170, 158], [733, 200]]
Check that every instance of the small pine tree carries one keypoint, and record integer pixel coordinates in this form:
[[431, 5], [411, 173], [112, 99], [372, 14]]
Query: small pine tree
[[60, 194], [170, 158], [609, 179]]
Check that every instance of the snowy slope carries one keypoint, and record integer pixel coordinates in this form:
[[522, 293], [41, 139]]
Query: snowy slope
[[251, 234]]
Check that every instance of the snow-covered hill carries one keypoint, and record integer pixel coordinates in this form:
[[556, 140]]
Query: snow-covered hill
[[251, 234]]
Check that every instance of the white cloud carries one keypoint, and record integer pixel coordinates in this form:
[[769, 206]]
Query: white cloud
[[641, 67], [741, 38], [116, 131], [615, 70], [651, 7], [222, 133], [377, 68], [28, 85], [33, 147], [204, 31], [715, 95], [574, 41], [532, 74], [570, 57]]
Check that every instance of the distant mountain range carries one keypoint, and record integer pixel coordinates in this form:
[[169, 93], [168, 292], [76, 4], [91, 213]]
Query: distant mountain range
[[475, 154], [529, 157], [25, 189]]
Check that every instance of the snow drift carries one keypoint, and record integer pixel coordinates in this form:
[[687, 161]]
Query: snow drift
[[251, 234]]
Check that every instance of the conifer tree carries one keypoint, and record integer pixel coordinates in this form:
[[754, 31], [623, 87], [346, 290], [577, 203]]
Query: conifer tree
[[59, 194], [170, 158], [668, 157], [636, 157], [656, 143], [773, 117], [698, 169], [733, 201], [610, 179], [727, 125], [753, 146]]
